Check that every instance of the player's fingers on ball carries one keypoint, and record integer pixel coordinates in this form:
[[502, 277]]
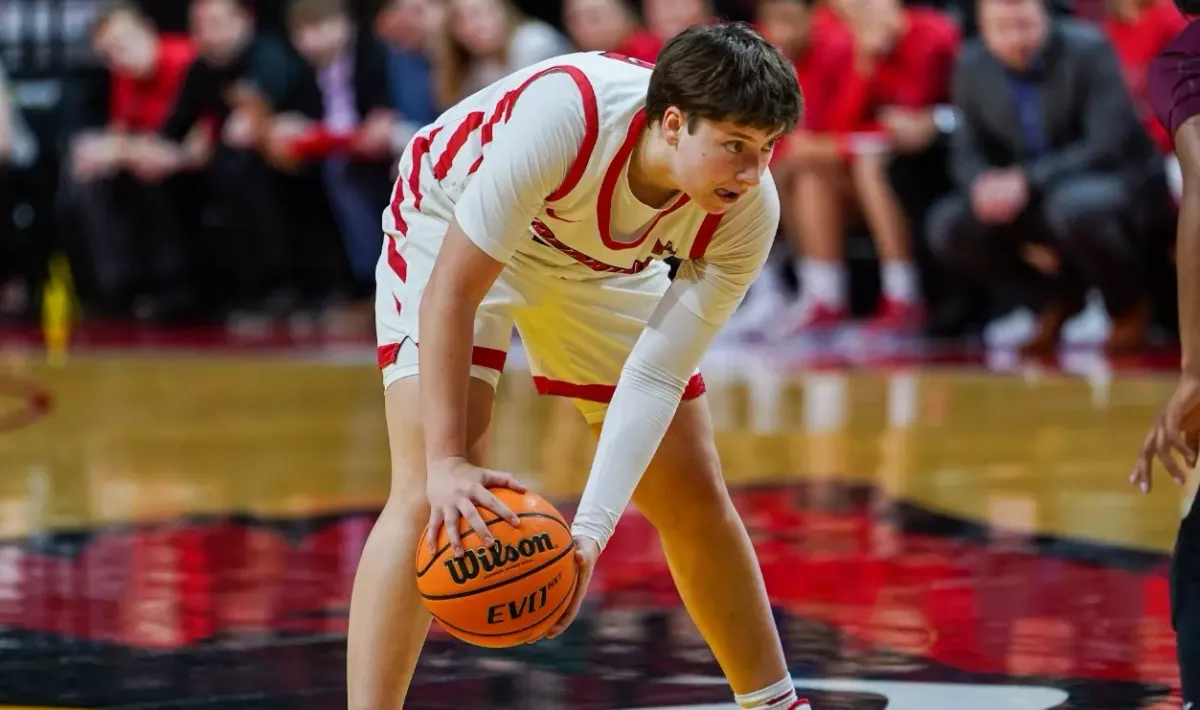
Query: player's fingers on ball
[[505, 480], [471, 514], [489, 500], [431, 530], [450, 520]]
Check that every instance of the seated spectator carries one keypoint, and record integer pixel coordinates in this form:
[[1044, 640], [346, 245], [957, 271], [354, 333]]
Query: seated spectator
[[1138, 30], [667, 18], [881, 84], [486, 40], [408, 27], [140, 250], [1056, 179], [609, 26], [348, 131], [18, 150], [277, 238]]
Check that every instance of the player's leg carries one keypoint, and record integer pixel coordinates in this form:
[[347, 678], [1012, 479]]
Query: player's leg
[[576, 347], [388, 621], [1185, 611], [712, 560]]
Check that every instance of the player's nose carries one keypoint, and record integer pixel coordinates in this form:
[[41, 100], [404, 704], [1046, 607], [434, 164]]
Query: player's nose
[[751, 172]]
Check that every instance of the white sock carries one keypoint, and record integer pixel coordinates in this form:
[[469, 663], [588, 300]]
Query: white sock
[[900, 281], [778, 696], [823, 281]]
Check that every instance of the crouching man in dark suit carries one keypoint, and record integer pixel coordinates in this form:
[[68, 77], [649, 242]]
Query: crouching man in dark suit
[[1057, 182]]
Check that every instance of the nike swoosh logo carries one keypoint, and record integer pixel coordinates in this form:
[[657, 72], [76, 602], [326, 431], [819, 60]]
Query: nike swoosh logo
[[913, 696]]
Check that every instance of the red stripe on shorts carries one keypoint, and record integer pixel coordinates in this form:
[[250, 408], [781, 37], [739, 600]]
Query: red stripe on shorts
[[603, 393], [489, 358]]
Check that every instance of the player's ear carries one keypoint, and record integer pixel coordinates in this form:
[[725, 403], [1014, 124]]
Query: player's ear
[[673, 124]]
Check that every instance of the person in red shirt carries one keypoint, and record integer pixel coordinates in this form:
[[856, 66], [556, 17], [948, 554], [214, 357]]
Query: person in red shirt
[[140, 253], [873, 75], [1138, 30], [609, 26]]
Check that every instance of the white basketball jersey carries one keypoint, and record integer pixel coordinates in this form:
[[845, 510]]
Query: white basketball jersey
[[590, 220]]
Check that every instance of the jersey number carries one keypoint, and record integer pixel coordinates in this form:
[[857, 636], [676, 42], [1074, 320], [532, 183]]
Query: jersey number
[[628, 59]]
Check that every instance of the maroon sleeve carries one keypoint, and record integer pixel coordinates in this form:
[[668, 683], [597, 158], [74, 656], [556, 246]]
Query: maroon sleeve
[[1173, 83]]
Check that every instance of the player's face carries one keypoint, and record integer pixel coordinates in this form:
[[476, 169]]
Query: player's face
[[716, 162]]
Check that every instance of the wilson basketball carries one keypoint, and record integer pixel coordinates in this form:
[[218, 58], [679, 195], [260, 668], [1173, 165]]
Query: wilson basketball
[[508, 593]]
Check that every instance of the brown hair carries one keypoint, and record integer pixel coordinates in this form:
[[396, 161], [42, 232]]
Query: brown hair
[[725, 72], [309, 12], [111, 10]]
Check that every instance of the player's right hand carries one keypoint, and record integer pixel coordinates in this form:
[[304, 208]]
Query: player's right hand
[[454, 487], [1176, 431]]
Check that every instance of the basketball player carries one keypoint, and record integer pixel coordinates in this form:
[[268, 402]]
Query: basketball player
[[1174, 91], [548, 200]]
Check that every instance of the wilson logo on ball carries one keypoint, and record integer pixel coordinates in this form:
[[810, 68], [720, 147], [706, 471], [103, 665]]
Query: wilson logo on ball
[[488, 559]]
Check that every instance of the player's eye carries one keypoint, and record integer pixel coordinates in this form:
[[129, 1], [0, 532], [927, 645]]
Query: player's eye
[[735, 146], [769, 147]]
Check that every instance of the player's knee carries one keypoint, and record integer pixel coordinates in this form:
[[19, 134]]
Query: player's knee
[[697, 503]]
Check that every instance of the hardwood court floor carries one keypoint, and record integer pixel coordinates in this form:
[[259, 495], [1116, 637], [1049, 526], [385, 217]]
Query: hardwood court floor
[[182, 526]]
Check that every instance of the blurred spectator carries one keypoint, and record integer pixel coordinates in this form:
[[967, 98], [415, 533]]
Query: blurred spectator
[[667, 18], [484, 41], [347, 129], [609, 26], [140, 249], [17, 150], [1138, 30], [276, 252], [408, 27], [879, 86], [1057, 181]]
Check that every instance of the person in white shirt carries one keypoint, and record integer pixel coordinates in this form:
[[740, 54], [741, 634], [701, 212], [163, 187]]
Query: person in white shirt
[[548, 200]]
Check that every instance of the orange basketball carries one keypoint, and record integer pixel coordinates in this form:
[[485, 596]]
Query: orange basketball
[[511, 592]]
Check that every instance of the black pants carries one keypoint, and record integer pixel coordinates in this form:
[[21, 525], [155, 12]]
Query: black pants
[[1092, 222], [278, 231], [139, 243], [1185, 605]]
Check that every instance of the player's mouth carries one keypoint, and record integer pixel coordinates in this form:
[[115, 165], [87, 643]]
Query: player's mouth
[[728, 196]]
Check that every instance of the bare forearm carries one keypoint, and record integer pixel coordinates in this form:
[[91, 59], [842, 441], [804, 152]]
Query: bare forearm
[[446, 337], [1187, 258]]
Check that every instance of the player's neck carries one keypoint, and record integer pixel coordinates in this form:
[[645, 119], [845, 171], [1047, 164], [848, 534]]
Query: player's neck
[[651, 178]]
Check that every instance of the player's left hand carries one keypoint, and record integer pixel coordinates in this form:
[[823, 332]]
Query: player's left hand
[[1175, 432], [587, 551]]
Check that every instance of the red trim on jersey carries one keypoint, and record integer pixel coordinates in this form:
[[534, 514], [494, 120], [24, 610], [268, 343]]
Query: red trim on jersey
[[395, 261], [421, 146], [591, 134], [399, 308], [397, 217], [603, 393], [704, 235], [612, 175], [457, 140], [490, 358]]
